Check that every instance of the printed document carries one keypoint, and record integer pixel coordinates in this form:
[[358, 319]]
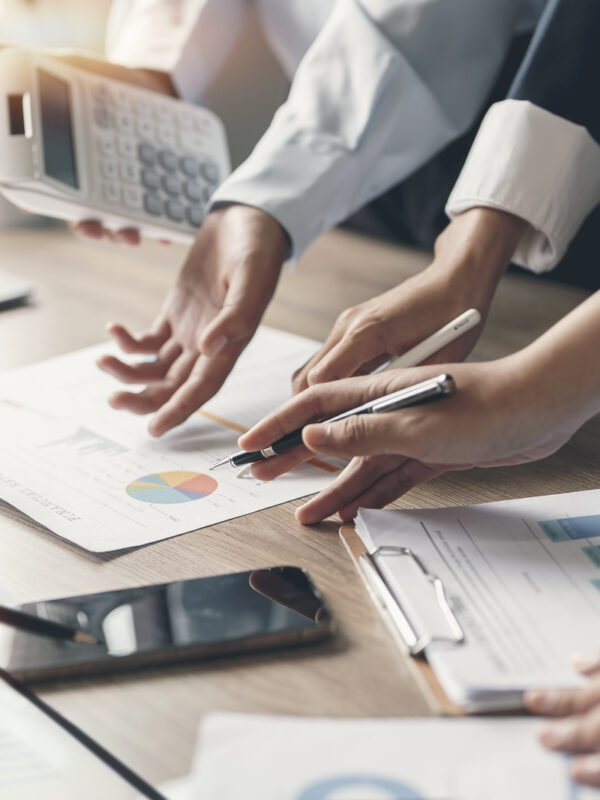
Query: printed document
[[247, 757], [39, 759], [95, 476], [523, 580]]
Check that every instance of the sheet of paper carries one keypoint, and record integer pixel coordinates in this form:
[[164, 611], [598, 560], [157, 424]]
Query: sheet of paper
[[523, 578], [38, 759], [94, 475], [246, 757]]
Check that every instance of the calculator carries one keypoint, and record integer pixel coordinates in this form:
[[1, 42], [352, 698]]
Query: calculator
[[79, 146]]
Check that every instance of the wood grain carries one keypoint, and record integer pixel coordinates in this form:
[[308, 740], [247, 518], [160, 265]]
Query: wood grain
[[150, 720]]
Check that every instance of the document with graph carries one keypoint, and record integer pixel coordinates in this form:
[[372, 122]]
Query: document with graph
[[522, 578], [259, 757], [95, 476]]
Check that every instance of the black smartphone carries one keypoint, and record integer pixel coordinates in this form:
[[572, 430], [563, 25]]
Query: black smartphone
[[169, 623]]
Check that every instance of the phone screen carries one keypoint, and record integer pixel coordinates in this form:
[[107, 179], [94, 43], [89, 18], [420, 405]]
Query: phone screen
[[199, 618]]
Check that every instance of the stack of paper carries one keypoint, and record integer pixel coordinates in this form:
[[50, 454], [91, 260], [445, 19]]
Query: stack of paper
[[523, 580], [245, 757]]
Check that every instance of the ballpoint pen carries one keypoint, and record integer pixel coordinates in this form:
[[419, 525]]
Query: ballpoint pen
[[431, 389], [43, 626]]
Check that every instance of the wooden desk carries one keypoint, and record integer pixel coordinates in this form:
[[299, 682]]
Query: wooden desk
[[150, 720]]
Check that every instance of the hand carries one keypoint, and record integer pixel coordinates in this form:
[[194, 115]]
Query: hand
[[470, 256], [501, 414], [579, 729], [206, 320]]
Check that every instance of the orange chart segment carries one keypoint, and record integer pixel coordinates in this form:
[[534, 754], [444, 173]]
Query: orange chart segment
[[172, 487]]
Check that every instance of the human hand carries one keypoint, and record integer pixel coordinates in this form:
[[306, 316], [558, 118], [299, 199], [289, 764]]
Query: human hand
[[578, 731], [207, 319], [500, 414], [470, 256]]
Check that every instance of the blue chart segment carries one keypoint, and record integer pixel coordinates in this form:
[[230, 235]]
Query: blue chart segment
[[385, 788], [562, 530], [172, 487]]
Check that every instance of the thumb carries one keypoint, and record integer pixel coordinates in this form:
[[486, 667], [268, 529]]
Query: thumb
[[358, 435], [246, 299]]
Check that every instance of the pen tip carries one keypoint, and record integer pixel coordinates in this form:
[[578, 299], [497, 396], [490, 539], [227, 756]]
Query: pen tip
[[84, 638], [219, 463]]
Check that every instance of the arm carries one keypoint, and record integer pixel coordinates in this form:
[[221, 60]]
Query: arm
[[520, 408]]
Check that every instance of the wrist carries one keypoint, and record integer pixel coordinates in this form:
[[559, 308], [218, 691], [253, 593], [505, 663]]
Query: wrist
[[475, 249]]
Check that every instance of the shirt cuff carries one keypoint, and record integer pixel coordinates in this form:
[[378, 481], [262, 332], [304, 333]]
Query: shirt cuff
[[538, 166]]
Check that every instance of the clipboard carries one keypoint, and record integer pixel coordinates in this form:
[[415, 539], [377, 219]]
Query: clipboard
[[410, 637]]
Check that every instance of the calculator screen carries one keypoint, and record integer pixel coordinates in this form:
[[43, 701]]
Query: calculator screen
[[57, 129]]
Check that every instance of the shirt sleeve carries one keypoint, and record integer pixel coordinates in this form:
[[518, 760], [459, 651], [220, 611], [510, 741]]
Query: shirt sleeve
[[382, 88], [189, 39], [538, 166]]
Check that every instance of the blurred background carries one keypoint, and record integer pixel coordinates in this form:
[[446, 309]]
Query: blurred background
[[244, 99]]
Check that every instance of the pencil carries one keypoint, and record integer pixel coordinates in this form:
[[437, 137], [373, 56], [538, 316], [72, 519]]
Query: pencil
[[43, 627]]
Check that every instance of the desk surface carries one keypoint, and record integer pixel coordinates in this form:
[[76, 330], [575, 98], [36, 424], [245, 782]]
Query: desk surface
[[150, 720]]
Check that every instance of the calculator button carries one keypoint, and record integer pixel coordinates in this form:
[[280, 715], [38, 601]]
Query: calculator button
[[164, 111], [166, 134], [147, 153], [100, 92], [121, 97], [150, 179], [201, 123], [210, 171], [109, 170], [153, 204], [189, 166], [112, 193], [171, 184], [175, 210], [126, 147], [142, 106], [195, 215], [124, 122], [192, 142], [102, 117], [145, 128], [106, 146], [185, 117], [130, 171], [168, 160], [194, 191], [132, 196]]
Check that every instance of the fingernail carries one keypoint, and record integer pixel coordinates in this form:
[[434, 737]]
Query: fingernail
[[217, 344], [318, 434], [557, 734], [586, 767], [542, 701], [586, 662]]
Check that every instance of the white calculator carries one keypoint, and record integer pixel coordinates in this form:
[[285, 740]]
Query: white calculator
[[78, 146]]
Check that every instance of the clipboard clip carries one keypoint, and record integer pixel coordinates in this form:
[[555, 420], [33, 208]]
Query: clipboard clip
[[414, 641]]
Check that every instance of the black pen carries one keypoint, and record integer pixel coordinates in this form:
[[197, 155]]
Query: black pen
[[423, 392], [43, 627]]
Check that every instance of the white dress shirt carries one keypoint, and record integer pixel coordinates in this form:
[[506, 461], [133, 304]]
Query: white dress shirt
[[378, 88]]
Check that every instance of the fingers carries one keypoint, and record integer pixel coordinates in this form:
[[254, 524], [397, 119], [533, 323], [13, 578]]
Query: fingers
[[324, 400], [300, 377], [240, 313], [93, 229], [362, 434], [276, 466], [586, 769], [146, 371], [370, 482], [560, 703], [203, 381], [155, 395], [575, 734], [586, 663], [146, 343], [358, 347]]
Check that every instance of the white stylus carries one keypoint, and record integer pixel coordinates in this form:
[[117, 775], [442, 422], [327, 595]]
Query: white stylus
[[416, 355]]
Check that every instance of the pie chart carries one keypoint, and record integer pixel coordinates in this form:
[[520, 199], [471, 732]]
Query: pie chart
[[172, 487]]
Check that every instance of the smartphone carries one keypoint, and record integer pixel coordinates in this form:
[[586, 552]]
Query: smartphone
[[79, 146], [170, 623]]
